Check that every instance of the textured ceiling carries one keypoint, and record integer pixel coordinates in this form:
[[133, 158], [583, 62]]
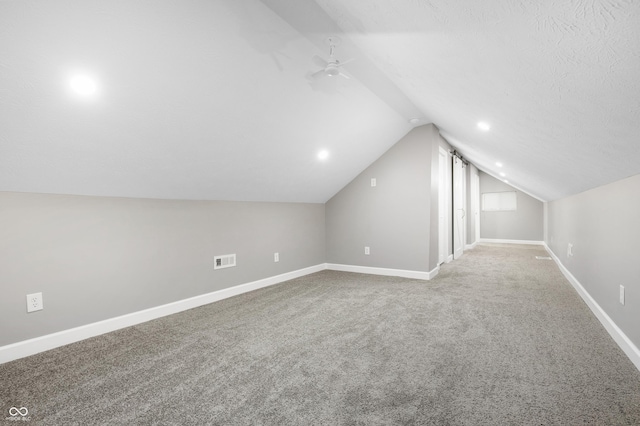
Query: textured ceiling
[[211, 100], [559, 82]]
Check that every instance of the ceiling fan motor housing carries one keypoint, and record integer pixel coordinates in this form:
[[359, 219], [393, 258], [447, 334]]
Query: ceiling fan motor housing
[[332, 70]]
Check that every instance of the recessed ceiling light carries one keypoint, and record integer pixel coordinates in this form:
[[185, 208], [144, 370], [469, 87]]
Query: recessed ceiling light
[[415, 120], [323, 155], [499, 164], [83, 85], [484, 126]]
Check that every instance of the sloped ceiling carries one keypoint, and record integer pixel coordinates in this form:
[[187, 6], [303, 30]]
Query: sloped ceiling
[[212, 100]]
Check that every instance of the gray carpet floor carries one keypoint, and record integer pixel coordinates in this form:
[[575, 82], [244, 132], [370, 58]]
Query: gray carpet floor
[[498, 337]]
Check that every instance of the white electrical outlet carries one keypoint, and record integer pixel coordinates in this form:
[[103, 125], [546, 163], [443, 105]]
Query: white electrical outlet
[[34, 302], [373, 182], [367, 251], [622, 295], [276, 257], [570, 250]]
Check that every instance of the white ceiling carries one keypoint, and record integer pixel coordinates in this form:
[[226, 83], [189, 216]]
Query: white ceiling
[[211, 99]]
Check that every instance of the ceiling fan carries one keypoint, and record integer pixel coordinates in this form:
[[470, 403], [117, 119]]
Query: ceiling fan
[[332, 67]]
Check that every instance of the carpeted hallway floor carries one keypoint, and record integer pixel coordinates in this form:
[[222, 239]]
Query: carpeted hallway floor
[[498, 337]]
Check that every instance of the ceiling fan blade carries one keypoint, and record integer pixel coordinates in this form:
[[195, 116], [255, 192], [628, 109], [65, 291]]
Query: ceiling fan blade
[[342, 63], [318, 74], [344, 75], [320, 62]]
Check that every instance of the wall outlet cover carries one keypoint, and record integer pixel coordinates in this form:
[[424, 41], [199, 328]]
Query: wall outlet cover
[[34, 302]]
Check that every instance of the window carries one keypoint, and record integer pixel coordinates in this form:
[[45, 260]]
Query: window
[[499, 201]]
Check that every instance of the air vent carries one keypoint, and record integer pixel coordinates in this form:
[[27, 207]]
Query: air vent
[[543, 258], [224, 261]]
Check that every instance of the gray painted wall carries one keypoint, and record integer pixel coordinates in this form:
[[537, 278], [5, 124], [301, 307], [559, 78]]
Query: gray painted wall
[[526, 223], [393, 218], [96, 258], [603, 226]]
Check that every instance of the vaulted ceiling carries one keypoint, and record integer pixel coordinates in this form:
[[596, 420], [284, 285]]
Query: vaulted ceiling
[[214, 99]]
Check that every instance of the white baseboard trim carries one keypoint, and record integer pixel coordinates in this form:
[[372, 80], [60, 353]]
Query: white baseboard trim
[[499, 241], [385, 271], [471, 246], [449, 259], [65, 337], [614, 331]]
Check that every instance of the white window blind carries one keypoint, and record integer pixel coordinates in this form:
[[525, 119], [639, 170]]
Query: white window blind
[[499, 201]]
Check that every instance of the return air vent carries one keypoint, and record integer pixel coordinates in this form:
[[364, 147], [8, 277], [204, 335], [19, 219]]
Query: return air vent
[[224, 261]]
